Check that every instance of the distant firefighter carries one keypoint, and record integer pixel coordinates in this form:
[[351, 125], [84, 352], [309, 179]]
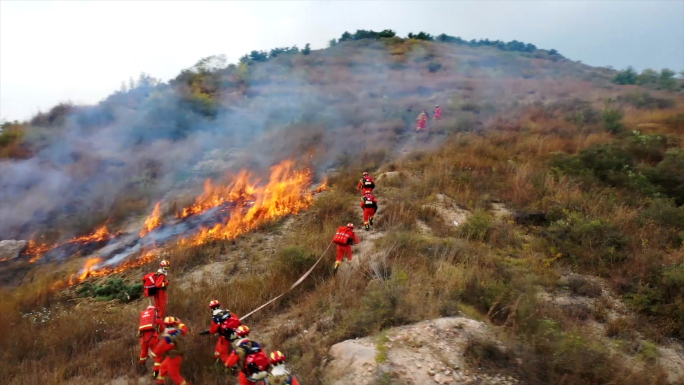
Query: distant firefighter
[[438, 113], [366, 184], [148, 332], [344, 239], [422, 121], [369, 205], [155, 284]]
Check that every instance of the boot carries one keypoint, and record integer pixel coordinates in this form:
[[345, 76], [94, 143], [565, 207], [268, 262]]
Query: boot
[[371, 221], [367, 227], [337, 264]]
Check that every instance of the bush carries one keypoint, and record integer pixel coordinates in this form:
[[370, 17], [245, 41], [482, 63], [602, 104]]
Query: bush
[[668, 175], [612, 118], [478, 226], [584, 287], [115, 288], [294, 261], [592, 243]]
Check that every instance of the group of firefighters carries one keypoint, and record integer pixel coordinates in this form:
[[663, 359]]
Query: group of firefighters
[[423, 118], [161, 335]]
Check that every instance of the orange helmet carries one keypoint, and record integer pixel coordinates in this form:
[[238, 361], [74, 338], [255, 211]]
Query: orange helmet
[[242, 331], [277, 357], [214, 304], [164, 264], [350, 225], [171, 321]]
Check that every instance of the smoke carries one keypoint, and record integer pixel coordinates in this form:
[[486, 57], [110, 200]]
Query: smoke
[[117, 158]]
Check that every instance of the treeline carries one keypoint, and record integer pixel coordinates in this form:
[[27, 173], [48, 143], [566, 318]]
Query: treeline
[[663, 80], [515, 46]]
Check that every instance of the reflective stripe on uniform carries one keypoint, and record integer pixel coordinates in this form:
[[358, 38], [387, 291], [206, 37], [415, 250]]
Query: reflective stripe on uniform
[[146, 326]]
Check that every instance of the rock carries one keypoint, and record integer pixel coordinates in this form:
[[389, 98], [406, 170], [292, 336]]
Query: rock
[[438, 378], [10, 249]]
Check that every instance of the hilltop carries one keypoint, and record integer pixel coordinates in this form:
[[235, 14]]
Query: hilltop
[[537, 230]]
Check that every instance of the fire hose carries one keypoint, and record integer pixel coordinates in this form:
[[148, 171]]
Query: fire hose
[[300, 280]]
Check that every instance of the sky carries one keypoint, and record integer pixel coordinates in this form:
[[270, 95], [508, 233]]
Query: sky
[[81, 51]]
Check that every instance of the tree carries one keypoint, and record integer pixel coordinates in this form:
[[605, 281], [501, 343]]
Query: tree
[[258, 56], [666, 81], [612, 118], [332, 43], [307, 49], [648, 77], [345, 36], [628, 76]]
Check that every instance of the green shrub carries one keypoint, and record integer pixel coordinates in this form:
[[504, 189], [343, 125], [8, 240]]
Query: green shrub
[[589, 242], [668, 175], [293, 261], [477, 227], [612, 118], [115, 288]]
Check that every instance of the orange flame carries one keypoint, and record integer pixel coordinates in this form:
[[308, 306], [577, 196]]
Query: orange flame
[[153, 221], [214, 196], [284, 194], [39, 249]]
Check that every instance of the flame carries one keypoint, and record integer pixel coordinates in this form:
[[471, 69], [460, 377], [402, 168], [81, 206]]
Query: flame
[[39, 249], [214, 196], [285, 193], [153, 221]]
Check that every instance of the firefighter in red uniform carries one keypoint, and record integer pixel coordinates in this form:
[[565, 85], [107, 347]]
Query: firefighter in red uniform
[[344, 239], [438, 113], [155, 285], [366, 184], [148, 332], [223, 323], [278, 374], [369, 205], [170, 351], [422, 121], [249, 358]]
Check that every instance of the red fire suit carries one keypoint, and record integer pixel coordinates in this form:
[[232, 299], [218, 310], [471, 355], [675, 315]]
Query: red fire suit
[[364, 189], [169, 349], [160, 298], [223, 346], [422, 122], [148, 333], [345, 250], [368, 211], [237, 357], [438, 113]]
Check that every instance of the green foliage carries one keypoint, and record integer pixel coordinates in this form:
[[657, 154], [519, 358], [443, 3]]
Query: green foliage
[[592, 243], [307, 49], [478, 226], [612, 118], [114, 289], [381, 346], [293, 261], [421, 36], [668, 175], [628, 76]]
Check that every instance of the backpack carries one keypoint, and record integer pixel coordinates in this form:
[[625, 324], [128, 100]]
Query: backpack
[[368, 182], [342, 236], [256, 362], [368, 201], [227, 324], [150, 285]]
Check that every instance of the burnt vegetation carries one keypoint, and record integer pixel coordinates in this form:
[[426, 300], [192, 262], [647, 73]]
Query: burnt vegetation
[[592, 170]]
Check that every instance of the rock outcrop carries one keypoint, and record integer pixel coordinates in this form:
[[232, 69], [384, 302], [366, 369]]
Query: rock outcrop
[[10, 249]]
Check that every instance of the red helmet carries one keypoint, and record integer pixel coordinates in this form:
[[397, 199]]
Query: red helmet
[[242, 331], [277, 357], [214, 304], [350, 225], [171, 321], [164, 264], [365, 173]]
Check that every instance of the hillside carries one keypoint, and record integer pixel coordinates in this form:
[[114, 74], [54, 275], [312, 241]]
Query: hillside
[[547, 204]]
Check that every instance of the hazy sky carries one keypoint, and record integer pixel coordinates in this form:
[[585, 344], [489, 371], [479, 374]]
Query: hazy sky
[[82, 51]]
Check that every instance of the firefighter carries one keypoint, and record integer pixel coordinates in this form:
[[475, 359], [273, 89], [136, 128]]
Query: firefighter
[[422, 121], [155, 285], [148, 332], [248, 358], [278, 375], [170, 351], [223, 323], [369, 205], [438, 113], [366, 184], [344, 238]]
